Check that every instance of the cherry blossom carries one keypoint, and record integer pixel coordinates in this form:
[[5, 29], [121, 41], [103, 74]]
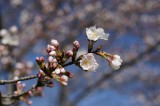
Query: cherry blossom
[[88, 62], [94, 33]]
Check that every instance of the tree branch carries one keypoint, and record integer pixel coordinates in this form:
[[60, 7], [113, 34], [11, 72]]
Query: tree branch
[[3, 82], [90, 88]]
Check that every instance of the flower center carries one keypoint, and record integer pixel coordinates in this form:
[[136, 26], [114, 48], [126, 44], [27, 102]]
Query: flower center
[[86, 62], [94, 34]]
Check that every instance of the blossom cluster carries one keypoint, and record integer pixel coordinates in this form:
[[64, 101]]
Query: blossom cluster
[[30, 93], [54, 68], [9, 37], [59, 59]]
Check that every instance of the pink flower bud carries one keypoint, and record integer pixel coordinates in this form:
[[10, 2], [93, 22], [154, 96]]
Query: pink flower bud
[[18, 83], [54, 43], [50, 59], [16, 92], [62, 70], [69, 53], [30, 93], [54, 65], [57, 71], [50, 84], [39, 59], [64, 83], [69, 74], [29, 102], [50, 48], [53, 53], [64, 80], [54, 61], [76, 44], [23, 85]]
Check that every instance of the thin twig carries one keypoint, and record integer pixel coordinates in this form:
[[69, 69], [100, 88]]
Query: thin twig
[[3, 82]]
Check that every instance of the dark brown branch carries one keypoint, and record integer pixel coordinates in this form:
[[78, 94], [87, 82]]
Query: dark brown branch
[[3, 82], [90, 88]]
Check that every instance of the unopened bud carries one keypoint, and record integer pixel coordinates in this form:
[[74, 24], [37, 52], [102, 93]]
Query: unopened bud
[[53, 53], [29, 102], [69, 74], [50, 84], [64, 78], [30, 93], [50, 59], [39, 60], [54, 43], [76, 44], [64, 83], [62, 70], [57, 71], [69, 53], [23, 85]]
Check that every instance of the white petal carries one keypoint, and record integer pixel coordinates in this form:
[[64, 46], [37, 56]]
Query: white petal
[[104, 36], [57, 71]]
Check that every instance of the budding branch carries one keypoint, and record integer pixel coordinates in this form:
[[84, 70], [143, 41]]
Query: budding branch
[[3, 82]]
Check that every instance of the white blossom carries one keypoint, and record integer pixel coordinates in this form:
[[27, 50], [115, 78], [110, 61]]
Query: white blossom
[[88, 62], [16, 2], [94, 33], [116, 62]]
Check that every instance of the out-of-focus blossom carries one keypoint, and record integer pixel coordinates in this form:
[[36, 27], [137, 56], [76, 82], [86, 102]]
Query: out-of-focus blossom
[[25, 16], [3, 32], [15, 3], [10, 40], [94, 33], [3, 50], [23, 68], [6, 60], [88, 62], [9, 37], [13, 29]]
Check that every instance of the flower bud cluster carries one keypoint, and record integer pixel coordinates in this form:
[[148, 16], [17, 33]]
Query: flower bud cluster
[[54, 68], [19, 88]]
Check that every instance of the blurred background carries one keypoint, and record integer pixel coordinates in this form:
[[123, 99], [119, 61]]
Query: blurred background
[[134, 27]]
